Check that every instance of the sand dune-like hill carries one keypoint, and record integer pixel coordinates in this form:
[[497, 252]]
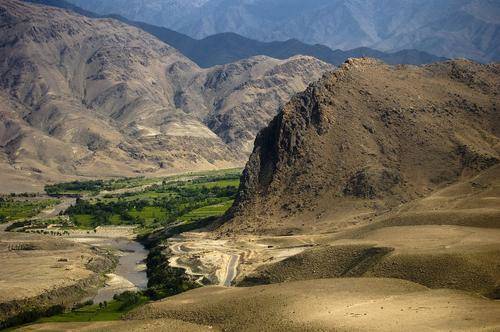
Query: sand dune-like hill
[[319, 305]]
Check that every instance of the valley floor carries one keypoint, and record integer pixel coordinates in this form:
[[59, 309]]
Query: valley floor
[[429, 265]]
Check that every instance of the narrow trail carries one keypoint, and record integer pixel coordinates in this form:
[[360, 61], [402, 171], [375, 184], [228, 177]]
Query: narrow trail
[[231, 270], [55, 210]]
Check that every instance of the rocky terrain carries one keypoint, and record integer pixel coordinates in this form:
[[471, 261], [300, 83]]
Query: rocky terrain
[[366, 139], [385, 177], [96, 97], [448, 28], [371, 202]]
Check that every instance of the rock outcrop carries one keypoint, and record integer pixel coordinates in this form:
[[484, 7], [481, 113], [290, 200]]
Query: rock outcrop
[[366, 138]]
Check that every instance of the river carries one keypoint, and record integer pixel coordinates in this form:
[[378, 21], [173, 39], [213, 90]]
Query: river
[[130, 273]]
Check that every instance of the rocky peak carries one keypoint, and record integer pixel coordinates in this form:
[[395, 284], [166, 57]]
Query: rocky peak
[[369, 135]]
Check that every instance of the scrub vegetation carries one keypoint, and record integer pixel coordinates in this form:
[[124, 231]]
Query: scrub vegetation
[[13, 208]]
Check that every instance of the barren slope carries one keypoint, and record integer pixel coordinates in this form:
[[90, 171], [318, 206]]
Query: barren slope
[[95, 97], [319, 305], [365, 139]]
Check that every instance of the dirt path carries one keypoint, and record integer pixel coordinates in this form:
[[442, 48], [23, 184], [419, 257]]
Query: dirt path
[[231, 270], [54, 211], [201, 257]]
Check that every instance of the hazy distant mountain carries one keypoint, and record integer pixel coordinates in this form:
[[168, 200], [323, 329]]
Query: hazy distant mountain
[[225, 48], [449, 28], [96, 97]]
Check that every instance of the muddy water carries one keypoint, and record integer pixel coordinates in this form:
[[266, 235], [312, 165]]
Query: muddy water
[[130, 273]]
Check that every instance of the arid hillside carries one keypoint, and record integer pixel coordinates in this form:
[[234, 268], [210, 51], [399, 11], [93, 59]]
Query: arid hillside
[[385, 182], [365, 139], [40, 272], [318, 305], [95, 97]]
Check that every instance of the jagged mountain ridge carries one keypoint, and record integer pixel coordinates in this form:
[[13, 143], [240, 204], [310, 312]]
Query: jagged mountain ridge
[[224, 48], [365, 139], [116, 101], [447, 28]]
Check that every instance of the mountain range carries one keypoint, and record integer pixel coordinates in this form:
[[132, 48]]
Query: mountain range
[[446, 28], [370, 198], [97, 97], [225, 48]]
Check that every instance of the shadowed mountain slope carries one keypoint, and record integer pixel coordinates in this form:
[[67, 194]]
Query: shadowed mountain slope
[[225, 48], [449, 28], [367, 138]]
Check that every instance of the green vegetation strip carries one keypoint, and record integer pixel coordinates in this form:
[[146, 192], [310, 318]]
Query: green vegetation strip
[[186, 199], [106, 311], [12, 209], [94, 187]]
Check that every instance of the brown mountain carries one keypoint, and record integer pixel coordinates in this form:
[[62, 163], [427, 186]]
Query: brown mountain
[[366, 139], [96, 97]]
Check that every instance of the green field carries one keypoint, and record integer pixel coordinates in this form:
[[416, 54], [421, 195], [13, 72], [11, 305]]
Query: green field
[[187, 197], [15, 209], [113, 310], [216, 210]]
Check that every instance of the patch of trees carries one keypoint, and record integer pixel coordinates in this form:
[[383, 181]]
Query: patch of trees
[[74, 186], [31, 315], [164, 280], [181, 201], [128, 300], [93, 186]]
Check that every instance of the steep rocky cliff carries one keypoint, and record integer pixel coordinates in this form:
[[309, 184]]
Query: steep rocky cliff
[[366, 138]]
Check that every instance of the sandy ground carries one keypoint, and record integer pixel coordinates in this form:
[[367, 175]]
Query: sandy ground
[[318, 305], [166, 325], [221, 261]]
